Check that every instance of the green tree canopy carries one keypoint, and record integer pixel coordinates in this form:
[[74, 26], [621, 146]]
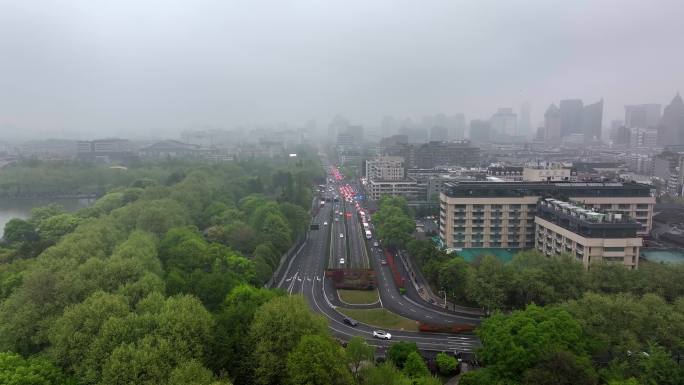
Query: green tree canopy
[[317, 361], [276, 330], [513, 343]]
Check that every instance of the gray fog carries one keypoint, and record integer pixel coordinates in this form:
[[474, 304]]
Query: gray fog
[[89, 68]]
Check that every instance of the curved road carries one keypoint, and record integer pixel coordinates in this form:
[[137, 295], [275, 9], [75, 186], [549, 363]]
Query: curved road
[[305, 275]]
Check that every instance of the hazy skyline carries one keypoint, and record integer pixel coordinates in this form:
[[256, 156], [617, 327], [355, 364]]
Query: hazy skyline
[[93, 68]]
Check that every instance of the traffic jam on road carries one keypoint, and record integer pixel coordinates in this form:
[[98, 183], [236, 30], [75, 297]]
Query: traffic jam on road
[[441, 322], [349, 195]]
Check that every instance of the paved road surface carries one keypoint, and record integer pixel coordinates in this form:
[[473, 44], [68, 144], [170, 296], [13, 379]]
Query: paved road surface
[[305, 275]]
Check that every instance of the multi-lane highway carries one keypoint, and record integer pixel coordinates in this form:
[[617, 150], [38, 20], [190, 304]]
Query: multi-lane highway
[[305, 275]]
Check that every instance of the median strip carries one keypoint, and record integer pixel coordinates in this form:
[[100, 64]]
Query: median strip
[[381, 318], [358, 297]]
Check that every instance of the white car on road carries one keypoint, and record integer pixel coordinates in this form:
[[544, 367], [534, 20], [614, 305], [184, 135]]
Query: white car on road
[[341, 261], [382, 335], [341, 235]]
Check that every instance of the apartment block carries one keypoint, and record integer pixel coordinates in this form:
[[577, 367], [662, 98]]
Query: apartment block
[[385, 168], [407, 188], [502, 214], [589, 235]]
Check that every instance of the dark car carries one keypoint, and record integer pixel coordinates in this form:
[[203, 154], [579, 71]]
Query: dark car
[[350, 322]]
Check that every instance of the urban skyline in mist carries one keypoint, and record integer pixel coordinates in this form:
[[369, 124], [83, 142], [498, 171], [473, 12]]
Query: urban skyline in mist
[[80, 69]]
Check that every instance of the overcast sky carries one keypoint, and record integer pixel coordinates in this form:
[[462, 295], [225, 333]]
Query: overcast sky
[[124, 67]]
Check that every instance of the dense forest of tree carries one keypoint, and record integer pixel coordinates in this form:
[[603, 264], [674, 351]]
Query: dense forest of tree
[[568, 325], [158, 281]]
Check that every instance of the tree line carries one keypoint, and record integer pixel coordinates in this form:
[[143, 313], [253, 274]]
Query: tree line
[[158, 281], [608, 324]]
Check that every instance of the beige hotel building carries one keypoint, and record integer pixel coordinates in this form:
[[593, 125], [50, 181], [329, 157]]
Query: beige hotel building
[[503, 214]]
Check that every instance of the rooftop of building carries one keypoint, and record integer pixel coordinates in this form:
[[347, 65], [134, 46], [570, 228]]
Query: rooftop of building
[[559, 190], [585, 222], [582, 214]]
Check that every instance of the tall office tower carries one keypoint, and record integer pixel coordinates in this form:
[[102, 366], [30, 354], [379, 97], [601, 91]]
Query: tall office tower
[[337, 126], [388, 126], [552, 124], [571, 117], [480, 131], [623, 135], [356, 132], [439, 134], [525, 123], [642, 115], [456, 126], [643, 137], [440, 120], [592, 120], [673, 122], [504, 121]]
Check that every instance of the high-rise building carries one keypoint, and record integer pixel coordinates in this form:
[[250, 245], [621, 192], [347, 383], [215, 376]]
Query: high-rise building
[[480, 131], [642, 115], [385, 168], [456, 126], [673, 123], [525, 123], [356, 132], [338, 125], [439, 133], [433, 154], [552, 124], [592, 120], [571, 117], [643, 137], [505, 122], [623, 135], [388, 126]]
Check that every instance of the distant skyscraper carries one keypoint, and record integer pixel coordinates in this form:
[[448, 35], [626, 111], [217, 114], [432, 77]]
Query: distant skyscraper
[[571, 117], [552, 124], [480, 131], [672, 130], [505, 121], [456, 126], [356, 132], [439, 133], [388, 126], [592, 120], [623, 135], [525, 123], [338, 125], [642, 115]]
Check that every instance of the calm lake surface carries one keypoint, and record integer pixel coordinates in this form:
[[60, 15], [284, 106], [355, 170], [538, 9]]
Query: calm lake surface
[[21, 208]]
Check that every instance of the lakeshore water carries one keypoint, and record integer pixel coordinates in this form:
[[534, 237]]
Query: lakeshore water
[[21, 207]]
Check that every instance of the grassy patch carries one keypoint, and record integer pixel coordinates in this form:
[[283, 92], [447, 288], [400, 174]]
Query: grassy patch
[[381, 318], [358, 297]]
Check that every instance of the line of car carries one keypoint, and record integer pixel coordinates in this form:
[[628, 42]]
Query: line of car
[[348, 193], [381, 334]]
